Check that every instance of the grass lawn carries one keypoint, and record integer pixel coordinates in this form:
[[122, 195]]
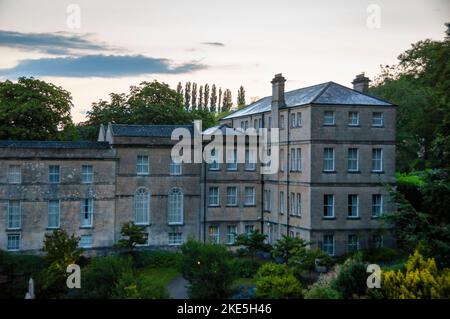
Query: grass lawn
[[162, 275]]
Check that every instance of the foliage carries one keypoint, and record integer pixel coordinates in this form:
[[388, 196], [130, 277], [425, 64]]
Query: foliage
[[253, 242], [32, 109], [287, 247], [138, 287], [351, 278], [156, 259], [381, 255], [246, 268], [277, 281], [425, 220], [322, 292], [420, 86], [15, 272], [100, 278], [241, 97], [61, 249], [134, 235], [305, 259], [209, 268], [147, 103], [422, 280]]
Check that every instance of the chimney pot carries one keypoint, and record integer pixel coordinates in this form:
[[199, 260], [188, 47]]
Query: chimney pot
[[277, 97]]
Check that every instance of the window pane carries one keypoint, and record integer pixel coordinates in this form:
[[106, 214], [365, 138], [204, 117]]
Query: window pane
[[142, 166], [328, 244], [328, 159], [14, 174], [232, 196], [353, 202], [214, 196], [328, 209], [328, 118], [53, 214], [175, 215], [87, 174], [353, 159], [377, 119], [13, 243], [142, 207], [53, 174], [377, 159], [249, 196], [353, 118], [14, 214]]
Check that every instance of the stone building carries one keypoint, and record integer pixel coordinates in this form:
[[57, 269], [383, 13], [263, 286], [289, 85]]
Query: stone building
[[336, 149]]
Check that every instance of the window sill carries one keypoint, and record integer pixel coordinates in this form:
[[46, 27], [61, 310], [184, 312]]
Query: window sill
[[14, 229], [377, 126], [147, 174], [329, 218], [377, 172], [249, 205], [231, 205], [86, 227], [232, 170], [354, 172], [295, 216], [329, 172], [354, 125], [214, 169], [176, 224], [214, 206], [140, 224], [329, 125], [250, 169], [353, 218], [53, 228]]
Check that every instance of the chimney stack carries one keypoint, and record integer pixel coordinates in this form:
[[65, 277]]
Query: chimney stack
[[277, 97], [361, 83]]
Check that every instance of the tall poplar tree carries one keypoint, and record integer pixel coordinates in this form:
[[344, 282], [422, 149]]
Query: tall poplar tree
[[194, 96], [187, 95], [206, 99], [213, 102], [241, 97], [200, 97]]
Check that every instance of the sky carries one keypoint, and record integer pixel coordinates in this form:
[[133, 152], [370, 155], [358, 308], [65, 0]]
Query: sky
[[93, 48]]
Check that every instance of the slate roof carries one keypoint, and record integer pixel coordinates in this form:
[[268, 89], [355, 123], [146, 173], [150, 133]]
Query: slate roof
[[55, 144], [324, 93], [147, 130], [225, 129]]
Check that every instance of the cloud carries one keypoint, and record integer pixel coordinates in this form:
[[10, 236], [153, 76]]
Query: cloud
[[214, 44], [59, 43], [99, 66]]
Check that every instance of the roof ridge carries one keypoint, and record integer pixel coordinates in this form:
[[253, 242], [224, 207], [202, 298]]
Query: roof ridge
[[321, 91], [365, 94]]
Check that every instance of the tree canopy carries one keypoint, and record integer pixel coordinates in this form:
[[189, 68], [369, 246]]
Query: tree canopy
[[32, 109]]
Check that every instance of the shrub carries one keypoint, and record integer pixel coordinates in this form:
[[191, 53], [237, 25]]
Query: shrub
[[277, 281], [61, 249], [156, 259], [381, 255], [253, 243], [287, 247], [209, 268], [131, 287], [352, 277], [247, 268], [133, 235], [100, 278], [322, 292], [422, 280]]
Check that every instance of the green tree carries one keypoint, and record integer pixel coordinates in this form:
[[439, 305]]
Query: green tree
[[213, 103], [206, 98], [277, 281], [421, 280], [351, 279], [209, 268], [241, 97], [133, 235], [227, 101], [32, 109], [180, 89], [253, 242], [287, 247], [219, 104], [200, 97], [187, 95], [419, 84], [194, 96]]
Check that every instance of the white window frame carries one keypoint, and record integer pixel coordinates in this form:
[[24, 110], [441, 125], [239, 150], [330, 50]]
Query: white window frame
[[14, 214], [175, 238], [352, 160], [351, 118], [214, 196], [328, 247], [352, 245], [299, 119], [52, 174], [87, 177], [54, 211], [249, 198], [327, 115], [215, 165], [89, 212], [376, 160], [142, 165], [353, 206], [250, 160], [267, 200], [214, 237], [175, 204], [232, 196], [231, 234], [17, 241], [377, 207], [14, 174], [175, 167], [83, 244], [142, 206], [327, 205], [232, 160], [299, 204], [377, 119], [282, 205], [298, 159], [327, 159]]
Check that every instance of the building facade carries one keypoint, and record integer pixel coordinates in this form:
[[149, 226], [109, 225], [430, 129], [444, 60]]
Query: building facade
[[336, 150]]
